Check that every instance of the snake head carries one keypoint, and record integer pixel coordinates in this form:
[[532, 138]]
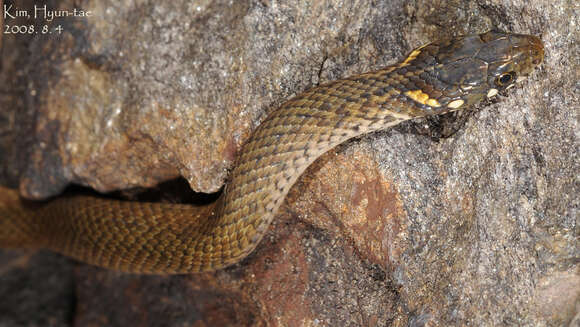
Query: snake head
[[460, 72]]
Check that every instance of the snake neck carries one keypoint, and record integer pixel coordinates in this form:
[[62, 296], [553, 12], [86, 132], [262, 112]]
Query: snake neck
[[289, 140]]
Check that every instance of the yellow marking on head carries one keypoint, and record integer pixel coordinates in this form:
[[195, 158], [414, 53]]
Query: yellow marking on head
[[418, 96], [491, 93], [422, 98], [410, 58], [424, 45], [455, 104], [433, 103]]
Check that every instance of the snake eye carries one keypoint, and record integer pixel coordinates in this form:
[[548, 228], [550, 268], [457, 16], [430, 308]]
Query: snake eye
[[505, 79]]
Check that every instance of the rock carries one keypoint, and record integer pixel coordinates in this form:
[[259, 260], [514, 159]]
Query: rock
[[396, 228]]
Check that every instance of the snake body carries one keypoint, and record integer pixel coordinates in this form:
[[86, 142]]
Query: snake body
[[171, 238]]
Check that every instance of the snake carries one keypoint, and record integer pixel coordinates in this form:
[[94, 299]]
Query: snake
[[170, 238]]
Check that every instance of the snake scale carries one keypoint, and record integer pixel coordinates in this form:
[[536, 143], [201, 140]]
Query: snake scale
[[440, 77]]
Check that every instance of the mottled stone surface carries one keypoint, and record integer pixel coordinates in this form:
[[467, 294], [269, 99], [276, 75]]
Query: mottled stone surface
[[393, 229]]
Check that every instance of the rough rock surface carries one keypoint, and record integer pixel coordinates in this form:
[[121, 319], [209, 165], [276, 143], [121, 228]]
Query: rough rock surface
[[393, 229]]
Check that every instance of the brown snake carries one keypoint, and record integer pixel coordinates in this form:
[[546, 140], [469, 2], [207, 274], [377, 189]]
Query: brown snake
[[171, 238]]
